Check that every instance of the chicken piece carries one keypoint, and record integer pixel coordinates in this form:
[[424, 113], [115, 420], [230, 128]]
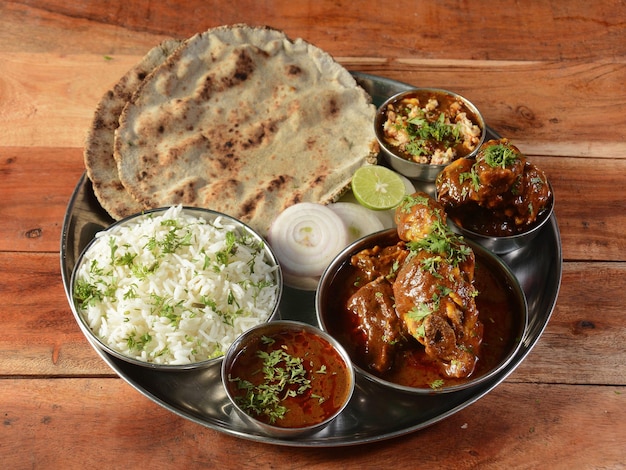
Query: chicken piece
[[500, 193], [416, 216], [531, 197], [454, 183], [377, 320], [435, 298], [499, 165], [380, 261]]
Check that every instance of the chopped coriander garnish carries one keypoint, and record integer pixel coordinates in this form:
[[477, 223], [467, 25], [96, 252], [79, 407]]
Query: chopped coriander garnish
[[499, 155], [436, 384], [441, 240], [421, 130], [411, 200], [284, 376]]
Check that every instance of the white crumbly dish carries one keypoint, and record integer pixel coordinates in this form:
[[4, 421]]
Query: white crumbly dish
[[171, 288]]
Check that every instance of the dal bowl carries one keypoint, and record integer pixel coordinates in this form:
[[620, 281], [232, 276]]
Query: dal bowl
[[172, 288], [417, 141], [501, 303], [287, 378]]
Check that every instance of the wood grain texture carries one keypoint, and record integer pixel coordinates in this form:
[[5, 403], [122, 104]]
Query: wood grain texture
[[38, 183], [516, 426], [549, 75], [58, 108], [451, 29]]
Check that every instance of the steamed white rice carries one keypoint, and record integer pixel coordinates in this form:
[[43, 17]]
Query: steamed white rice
[[171, 288]]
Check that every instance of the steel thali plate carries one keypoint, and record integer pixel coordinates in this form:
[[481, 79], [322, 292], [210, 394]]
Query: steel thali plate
[[375, 412]]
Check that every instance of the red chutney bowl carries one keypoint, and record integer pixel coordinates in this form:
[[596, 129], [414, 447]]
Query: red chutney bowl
[[287, 378]]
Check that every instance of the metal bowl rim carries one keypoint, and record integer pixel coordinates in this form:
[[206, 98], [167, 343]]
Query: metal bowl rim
[[278, 431], [207, 214], [492, 257], [423, 167]]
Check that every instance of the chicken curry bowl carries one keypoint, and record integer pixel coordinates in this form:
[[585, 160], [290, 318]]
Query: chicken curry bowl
[[421, 309], [499, 199]]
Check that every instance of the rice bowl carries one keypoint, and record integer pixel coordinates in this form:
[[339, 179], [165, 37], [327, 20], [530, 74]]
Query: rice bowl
[[174, 287]]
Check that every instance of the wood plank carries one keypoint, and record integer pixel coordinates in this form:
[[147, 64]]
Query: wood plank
[[38, 183], [50, 98], [554, 31], [36, 187], [107, 424], [41, 338], [590, 210], [585, 337]]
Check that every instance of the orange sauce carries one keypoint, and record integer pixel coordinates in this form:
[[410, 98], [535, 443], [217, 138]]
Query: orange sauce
[[325, 371]]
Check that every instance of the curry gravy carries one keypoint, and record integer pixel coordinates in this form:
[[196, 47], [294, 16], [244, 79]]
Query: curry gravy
[[499, 311], [325, 376]]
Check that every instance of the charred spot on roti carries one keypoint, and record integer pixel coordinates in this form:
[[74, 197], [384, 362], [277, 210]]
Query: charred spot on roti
[[244, 67], [98, 124], [294, 70], [279, 183], [333, 108], [186, 193], [207, 88], [270, 112], [248, 207]]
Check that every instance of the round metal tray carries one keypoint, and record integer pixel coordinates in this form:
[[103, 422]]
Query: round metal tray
[[375, 413]]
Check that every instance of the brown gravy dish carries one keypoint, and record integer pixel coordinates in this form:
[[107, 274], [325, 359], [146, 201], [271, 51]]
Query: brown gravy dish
[[499, 193], [304, 379], [421, 307], [498, 312]]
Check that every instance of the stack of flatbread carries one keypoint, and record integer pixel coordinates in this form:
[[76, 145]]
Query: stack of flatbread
[[238, 119]]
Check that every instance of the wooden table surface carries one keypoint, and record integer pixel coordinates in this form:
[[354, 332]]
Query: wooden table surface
[[549, 75]]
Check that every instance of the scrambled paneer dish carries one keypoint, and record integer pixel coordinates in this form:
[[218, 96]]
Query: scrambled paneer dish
[[420, 288], [431, 128], [499, 193]]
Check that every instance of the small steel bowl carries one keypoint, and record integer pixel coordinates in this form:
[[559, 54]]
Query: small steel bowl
[[509, 330], [410, 169], [342, 378], [124, 224], [506, 244]]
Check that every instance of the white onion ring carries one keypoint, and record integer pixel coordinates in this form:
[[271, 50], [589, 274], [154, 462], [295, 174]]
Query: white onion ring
[[306, 237]]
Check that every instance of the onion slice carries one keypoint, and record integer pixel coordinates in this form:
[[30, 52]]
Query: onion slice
[[306, 237], [385, 217], [359, 220]]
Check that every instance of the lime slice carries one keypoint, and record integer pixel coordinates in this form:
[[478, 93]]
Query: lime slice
[[377, 187]]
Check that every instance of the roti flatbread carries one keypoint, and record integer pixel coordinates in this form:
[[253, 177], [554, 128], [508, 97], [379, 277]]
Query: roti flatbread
[[244, 121], [98, 154]]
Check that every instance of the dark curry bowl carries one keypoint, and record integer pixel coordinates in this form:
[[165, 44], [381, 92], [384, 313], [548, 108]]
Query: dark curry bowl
[[507, 243], [503, 312], [409, 168], [287, 379]]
